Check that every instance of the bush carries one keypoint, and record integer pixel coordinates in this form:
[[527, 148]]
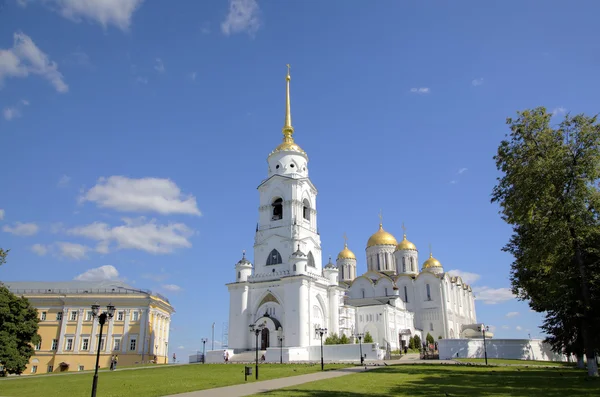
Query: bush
[[411, 342], [417, 340], [429, 339], [368, 338], [332, 339], [344, 340]]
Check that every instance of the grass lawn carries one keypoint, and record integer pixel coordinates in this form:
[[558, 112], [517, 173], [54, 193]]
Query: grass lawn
[[150, 382], [450, 380], [517, 362]]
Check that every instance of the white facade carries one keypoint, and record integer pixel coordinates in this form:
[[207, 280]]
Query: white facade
[[515, 349], [291, 293]]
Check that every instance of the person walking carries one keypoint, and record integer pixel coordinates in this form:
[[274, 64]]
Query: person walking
[[116, 360], [112, 362]]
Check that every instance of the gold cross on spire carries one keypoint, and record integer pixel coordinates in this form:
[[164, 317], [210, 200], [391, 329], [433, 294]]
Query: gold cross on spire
[[430, 251], [403, 228], [345, 240], [380, 218], [289, 67]]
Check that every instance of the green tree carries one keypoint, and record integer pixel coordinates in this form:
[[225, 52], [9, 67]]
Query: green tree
[[344, 340], [3, 255], [411, 343], [368, 338], [332, 339], [440, 337], [18, 329], [417, 341], [549, 194], [429, 339]]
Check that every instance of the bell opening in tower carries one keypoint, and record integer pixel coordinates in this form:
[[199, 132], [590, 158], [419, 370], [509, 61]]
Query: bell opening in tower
[[277, 209]]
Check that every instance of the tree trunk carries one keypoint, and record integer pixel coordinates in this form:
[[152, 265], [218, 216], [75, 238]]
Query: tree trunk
[[580, 362], [587, 332]]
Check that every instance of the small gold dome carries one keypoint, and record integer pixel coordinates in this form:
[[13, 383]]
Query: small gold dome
[[406, 245], [431, 262], [346, 253], [288, 147], [381, 237]]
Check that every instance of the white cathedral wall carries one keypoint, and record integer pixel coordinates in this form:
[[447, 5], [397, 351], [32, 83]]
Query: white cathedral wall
[[516, 349]]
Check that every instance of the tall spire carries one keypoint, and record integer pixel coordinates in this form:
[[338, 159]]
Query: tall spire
[[288, 130]]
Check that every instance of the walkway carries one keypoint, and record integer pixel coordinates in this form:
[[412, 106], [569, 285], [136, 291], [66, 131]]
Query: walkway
[[247, 389]]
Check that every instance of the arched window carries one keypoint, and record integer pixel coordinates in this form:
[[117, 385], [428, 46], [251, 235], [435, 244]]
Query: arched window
[[311, 260], [306, 210], [363, 292], [403, 264], [343, 271], [378, 263], [239, 275], [428, 292], [431, 326], [277, 209], [294, 267], [405, 294], [412, 264], [274, 258]]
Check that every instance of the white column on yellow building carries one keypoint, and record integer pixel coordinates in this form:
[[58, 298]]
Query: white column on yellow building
[[154, 331], [78, 330], [143, 331], [167, 331], [94, 343], [109, 333], [161, 328], [63, 329], [125, 342]]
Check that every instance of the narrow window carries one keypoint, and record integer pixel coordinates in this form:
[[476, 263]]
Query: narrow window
[[39, 345], [136, 316], [59, 316], [428, 292], [73, 315], [385, 291], [343, 272], [363, 292], [431, 326], [306, 210], [120, 316], [34, 369], [239, 275], [311, 260], [274, 258], [43, 316], [378, 263], [412, 264], [88, 316], [54, 344], [403, 264], [85, 344], [405, 294], [294, 267], [132, 344], [117, 344], [69, 344], [277, 209], [50, 368]]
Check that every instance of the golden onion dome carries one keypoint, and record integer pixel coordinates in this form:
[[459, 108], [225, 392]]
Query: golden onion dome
[[405, 245], [346, 253], [289, 146], [431, 262], [381, 237]]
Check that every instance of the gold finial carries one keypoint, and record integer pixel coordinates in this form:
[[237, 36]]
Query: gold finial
[[430, 251], [404, 229], [345, 240], [380, 218], [288, 130]]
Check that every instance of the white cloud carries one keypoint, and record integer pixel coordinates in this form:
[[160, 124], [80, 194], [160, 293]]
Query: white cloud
[[467, 277], [558, 111], [104, 12], [477, 82], [519, 328], [138, 234], [2, 212], [72, 250], [512, 314], [172, 287], [491, 296], [160, 66], [180, 347], [11, 113], [461, 170], [64, 181], [421, 90], [102, 273], [141, 80], [193, 76], [141, 195], [25, 58], [505, 327], [243, 16], [22, 229], [39, 249], [156, 277]]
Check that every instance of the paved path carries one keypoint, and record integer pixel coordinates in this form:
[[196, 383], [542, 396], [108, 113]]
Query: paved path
[[247, 389]]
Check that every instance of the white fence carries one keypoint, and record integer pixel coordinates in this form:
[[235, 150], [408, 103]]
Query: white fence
[[518, 349]]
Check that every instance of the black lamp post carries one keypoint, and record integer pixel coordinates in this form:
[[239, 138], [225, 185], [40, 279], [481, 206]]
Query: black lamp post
[[360, 336], [257, 331], [321, 332], [484, 328], [280, 339], [204, 340], [102, 318]]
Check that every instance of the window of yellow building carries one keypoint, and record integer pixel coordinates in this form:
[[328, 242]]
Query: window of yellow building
[[85, 343], [54, 344], [88, 316], [120, 316], [43, 316], [73, 315], [33, 369], [50, 368], [39, 345], [117, 344], [136, 316], [132, 344], [59, 316], [69, 343]]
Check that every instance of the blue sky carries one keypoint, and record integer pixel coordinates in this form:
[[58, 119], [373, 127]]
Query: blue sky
[[134, 133]]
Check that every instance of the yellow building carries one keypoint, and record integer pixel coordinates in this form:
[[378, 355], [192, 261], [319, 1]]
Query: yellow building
[[138, 332]]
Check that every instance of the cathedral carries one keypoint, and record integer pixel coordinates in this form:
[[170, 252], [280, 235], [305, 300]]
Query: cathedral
[[288, 293]]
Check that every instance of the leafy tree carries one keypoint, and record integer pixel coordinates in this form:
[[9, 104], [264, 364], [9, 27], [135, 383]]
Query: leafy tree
[[417, 341], [344, 340], [332, 339], [368, 338], [429, 339], [411, 343], [549, 194], [3, 255], [440, 337], [18, 329]]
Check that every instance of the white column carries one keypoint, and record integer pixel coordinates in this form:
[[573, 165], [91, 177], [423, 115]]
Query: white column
[[154, 332], [94, 338], [167, 331], [78, 331], [124, 341], [143, 331], [108, 344], [63, 328]]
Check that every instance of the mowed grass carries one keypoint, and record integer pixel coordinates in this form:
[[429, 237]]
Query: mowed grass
[[516, 362], [149, 382], [450, 380]]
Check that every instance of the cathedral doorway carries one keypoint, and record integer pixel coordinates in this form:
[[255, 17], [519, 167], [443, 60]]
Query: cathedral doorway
[[264, 339]]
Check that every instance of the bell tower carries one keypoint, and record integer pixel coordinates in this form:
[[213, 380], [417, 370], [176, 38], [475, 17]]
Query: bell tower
[[287, 220]]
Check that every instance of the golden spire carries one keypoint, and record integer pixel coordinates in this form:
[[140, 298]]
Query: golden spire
[[380, 219], [288, 130], [430, 251], [345, 240], [404, 230]]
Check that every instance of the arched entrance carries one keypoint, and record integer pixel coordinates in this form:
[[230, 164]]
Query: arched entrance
[[264, 339]]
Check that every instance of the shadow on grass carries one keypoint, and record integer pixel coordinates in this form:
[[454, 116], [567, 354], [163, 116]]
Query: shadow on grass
[[446, 380]]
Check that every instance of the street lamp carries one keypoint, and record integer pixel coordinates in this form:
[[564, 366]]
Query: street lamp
[[257, 330], [204, 340], [321, 332], [484, 328], [166, 351], [102, 318], [280, 339], [360, 336]]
